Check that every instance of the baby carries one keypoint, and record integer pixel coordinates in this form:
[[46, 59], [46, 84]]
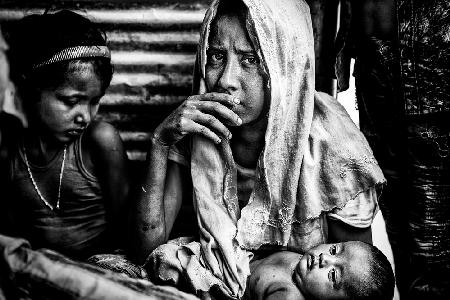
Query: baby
[[349, 270]]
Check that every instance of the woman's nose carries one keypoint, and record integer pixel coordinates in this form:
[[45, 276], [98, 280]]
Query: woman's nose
[[228, 80]]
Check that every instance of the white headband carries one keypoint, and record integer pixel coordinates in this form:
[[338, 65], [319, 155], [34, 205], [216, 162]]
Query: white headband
[[75, 53]]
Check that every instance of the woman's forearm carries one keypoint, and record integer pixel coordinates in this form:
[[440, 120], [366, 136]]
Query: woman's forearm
[[147, 219]]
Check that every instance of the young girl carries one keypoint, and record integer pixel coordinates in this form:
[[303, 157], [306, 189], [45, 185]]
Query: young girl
[[68, 182]]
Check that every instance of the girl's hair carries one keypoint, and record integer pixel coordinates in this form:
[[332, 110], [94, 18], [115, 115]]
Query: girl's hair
[[36, 38]]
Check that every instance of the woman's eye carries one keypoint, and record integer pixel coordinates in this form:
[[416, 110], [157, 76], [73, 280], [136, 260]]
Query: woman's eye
[[333, 250], [215, 57], [251, 60]]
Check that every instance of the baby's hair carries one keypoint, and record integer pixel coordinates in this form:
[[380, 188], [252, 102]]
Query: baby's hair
[[380, 282], [35, 39]]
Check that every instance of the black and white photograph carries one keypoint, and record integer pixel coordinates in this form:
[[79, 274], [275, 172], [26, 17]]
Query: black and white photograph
[[224, 149]]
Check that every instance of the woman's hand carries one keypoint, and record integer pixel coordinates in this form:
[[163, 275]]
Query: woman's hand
[[205, 114]]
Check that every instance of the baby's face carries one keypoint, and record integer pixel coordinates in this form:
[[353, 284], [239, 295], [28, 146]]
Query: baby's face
[[322, 271]]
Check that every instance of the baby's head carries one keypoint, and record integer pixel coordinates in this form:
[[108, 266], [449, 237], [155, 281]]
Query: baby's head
[[350, 270]]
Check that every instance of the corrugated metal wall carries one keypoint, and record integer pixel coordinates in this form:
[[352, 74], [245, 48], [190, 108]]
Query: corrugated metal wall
[[153, 46], [153, 50]]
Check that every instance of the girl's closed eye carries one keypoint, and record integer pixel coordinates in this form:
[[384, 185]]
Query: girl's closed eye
[[69, 100]]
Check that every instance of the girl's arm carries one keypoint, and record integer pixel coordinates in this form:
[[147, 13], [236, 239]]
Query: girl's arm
[[108, 158]]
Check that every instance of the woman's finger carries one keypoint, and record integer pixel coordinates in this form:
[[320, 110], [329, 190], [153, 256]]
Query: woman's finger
[[212, 123], [216, 109], [196, 128], [225, 99]]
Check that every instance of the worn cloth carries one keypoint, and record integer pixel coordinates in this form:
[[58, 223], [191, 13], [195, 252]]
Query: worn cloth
[[79, 227], [314, 159], [118, 262], [357, 212], [45, 274]]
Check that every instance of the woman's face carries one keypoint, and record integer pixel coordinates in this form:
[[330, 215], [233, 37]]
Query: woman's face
[[234, 68], [62, 113]]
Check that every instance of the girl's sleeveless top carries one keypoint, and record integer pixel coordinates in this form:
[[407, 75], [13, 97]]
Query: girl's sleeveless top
[[78, 228]]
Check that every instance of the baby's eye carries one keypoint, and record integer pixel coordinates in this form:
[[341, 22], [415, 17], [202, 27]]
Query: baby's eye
[[333, 249], [332, 276]]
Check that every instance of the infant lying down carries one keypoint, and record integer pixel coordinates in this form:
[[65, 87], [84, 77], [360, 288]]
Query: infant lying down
[[349, 270]]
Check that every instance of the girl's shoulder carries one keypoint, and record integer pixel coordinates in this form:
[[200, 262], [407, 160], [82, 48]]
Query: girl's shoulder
[[101, 135], [100, 144]]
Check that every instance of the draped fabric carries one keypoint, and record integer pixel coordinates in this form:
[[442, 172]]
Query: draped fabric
[[314, 159], [27, 273]]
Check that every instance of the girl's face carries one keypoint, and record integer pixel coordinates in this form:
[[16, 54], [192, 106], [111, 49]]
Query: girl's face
[[325, 269], [234, 68], [62, 113]]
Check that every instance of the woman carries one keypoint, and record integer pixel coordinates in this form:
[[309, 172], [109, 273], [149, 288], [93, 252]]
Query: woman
[[271, 164]]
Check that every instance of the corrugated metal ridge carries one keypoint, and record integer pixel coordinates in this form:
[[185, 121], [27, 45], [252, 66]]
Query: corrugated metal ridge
[[167, 37], [118, 99], [148, 16], [151, 58]]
